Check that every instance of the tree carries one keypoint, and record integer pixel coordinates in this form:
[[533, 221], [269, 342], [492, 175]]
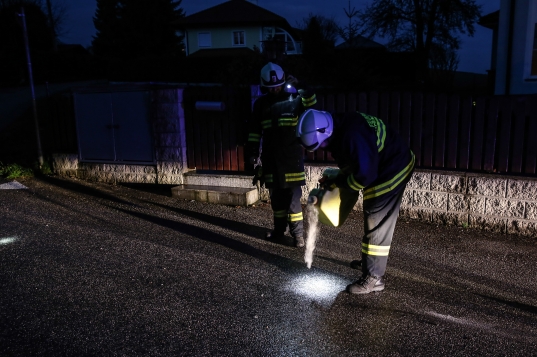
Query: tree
[[134, 29], [319, 34], [56, 12], [106, 22], [429, 28], [12, 52], [350, 32]]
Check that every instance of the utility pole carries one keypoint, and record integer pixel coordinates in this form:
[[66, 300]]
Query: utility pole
[[31, 80]]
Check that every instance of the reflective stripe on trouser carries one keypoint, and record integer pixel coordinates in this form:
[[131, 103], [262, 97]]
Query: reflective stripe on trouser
[[285, 203], [380, 217]]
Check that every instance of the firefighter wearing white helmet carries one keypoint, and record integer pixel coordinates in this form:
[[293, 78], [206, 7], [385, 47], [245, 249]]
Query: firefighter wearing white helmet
[[272, 129], [372, 158], [272, 75], [313, 128]]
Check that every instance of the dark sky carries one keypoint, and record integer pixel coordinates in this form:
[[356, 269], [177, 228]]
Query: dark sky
[[474, 54]]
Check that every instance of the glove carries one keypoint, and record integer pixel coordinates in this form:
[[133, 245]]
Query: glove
[[330, 178], [290, 85], [291, 80], [327, 183], [251, 151], [258, 176]]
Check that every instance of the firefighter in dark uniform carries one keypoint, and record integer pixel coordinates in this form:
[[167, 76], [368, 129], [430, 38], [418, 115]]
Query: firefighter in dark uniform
[[273, 124], [372, 158]]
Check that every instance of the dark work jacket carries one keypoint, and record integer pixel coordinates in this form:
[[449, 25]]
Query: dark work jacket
[[370, 155], [274, 119]]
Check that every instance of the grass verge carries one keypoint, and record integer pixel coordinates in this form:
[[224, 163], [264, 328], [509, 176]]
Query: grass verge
[[13, 171]]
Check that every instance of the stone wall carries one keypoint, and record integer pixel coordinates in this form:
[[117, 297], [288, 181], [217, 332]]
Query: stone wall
[[501, 204], [170, 136]]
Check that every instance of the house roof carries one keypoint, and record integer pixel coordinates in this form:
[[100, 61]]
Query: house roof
[[491, 20], [232, 13], [360, 42]]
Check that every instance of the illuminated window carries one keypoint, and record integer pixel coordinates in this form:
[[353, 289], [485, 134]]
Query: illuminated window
[[204, 39], [238, 38]]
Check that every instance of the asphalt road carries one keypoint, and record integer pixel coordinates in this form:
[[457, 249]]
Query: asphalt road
[[92, 269]]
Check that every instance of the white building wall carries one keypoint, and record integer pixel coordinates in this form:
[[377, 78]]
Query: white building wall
[[513, 70], [223, 37]]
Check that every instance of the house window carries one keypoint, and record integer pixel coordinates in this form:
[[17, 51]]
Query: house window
[[204, 39], [291, 47], [238, 38]]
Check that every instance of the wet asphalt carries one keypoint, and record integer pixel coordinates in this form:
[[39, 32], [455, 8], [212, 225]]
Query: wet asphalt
[[94, 269]]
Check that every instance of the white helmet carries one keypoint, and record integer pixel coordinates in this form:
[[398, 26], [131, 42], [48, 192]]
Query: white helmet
[[314, 127], [272, 75]]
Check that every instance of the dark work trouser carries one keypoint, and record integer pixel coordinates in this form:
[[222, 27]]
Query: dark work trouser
[[287, 209], [380, 217]]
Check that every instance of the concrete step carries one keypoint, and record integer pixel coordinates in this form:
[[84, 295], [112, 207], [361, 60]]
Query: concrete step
[[217, 187], [234, 196], [218, 178]]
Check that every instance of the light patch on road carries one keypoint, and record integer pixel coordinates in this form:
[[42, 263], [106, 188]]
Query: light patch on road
[[320, 287], [453, 319], [13, 185], [493, 330], [7, 240]]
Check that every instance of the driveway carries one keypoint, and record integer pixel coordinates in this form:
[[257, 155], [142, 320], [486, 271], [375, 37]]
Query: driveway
[[93, 269]]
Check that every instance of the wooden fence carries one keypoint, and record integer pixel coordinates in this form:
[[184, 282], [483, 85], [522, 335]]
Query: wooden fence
[[461, 133], [215, 138], [447, 132]]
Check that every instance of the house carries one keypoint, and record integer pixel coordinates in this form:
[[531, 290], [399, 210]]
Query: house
[[514, 53], [235, 26]]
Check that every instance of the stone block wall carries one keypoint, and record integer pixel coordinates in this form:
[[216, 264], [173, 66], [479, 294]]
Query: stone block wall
[[170, 136], [501, 204]]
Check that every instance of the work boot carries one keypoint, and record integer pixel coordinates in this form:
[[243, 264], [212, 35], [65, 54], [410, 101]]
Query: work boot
[[366, 284], [356, 264], [299, 242]]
